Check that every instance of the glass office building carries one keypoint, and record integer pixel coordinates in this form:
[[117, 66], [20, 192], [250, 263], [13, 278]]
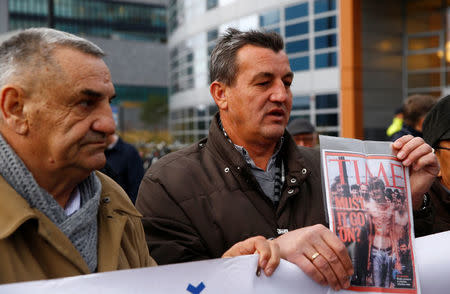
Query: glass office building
[[107, 19], [354, 60], [132, 33]]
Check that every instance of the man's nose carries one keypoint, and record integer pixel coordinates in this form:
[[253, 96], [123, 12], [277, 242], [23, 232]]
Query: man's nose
[[104, 121], [280, 92]]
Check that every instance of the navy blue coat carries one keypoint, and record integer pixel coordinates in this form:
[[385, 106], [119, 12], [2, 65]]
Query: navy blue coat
[[127, 167]]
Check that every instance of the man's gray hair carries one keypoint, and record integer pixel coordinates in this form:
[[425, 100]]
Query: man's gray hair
[[223, 67], [31, 48]]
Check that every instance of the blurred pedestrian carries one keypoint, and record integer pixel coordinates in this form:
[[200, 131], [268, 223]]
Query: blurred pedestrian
[[125, 161], [415, 110], [303, 132], [397, 122]]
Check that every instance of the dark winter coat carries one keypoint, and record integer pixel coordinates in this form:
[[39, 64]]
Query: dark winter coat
[[127, 167], [439, 220], [199, 201]]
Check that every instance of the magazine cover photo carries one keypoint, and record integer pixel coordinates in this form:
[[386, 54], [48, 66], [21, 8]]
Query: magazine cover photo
[[369, 208]]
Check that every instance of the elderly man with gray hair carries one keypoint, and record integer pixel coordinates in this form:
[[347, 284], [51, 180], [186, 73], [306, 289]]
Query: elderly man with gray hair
[[58, 216]]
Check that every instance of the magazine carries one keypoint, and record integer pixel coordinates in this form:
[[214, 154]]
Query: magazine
[[369, 207]]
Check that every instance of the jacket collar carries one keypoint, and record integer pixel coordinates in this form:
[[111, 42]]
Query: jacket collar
[[14, 210], [297, 164], [217, 140], [232, 157]]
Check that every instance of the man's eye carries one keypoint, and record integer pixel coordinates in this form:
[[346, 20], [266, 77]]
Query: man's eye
[[287, 83], [264, 83], [86, 103]]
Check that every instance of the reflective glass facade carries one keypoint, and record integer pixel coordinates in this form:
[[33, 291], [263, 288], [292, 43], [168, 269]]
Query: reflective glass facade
[[190, 124], [113, 20], [126, 93], [183, 11]]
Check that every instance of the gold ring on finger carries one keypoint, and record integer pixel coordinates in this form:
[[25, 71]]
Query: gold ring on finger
[[314, 256]]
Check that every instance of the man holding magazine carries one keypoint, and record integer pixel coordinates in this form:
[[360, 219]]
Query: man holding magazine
[[249, 178]]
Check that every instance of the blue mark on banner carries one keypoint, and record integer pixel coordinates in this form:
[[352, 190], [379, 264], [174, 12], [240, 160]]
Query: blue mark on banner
[[196, 290]]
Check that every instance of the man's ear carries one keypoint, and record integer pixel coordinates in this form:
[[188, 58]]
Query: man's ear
[[419, 124], [218, 92], [12, 109], [438, 155]]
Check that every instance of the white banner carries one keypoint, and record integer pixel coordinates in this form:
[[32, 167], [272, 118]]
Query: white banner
[[232, 275]]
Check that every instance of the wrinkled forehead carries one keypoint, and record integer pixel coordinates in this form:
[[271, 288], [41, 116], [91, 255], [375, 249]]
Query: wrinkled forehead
[[261, 59], [86, 68]]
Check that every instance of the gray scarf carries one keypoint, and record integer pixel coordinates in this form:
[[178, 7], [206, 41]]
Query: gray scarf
[[80, 227]]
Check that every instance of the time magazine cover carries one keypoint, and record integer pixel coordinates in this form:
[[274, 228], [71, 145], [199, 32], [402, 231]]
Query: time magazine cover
[[369, 207]]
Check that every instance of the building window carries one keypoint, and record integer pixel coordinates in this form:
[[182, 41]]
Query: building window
[[326, 101], [292, 117], [269, 18], [210, 4], [299, 63], [326, 41], [213, 35], [300, 103], [297, 29], [324, 5], [325, 60], [326, 23], [324, 120], [296, 11], [297, 46]]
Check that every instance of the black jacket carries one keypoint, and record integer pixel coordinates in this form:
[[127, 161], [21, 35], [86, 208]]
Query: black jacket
[[439, 220], [199, 201]]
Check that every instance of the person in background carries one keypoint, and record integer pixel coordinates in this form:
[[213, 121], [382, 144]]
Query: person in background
[[436, 132], [397, 122], [59, 217], [415, 110], [249, 177], [303, 132], [126, 163]]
